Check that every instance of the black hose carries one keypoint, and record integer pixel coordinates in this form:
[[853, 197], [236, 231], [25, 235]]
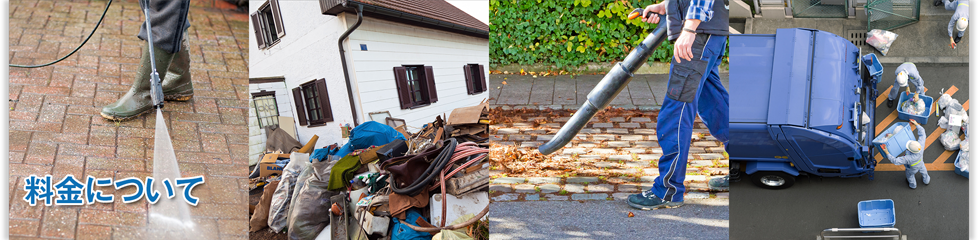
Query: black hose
[[429, 174], [77, 48]]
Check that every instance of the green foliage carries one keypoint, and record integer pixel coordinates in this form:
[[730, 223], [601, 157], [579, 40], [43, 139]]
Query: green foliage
[[566, 33]]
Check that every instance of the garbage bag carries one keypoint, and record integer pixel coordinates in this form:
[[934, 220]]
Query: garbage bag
[[962, 162], [279, 209], [259, 220], [312, 205], [913, 107], [881, 40], [308, 172], [950, 140]]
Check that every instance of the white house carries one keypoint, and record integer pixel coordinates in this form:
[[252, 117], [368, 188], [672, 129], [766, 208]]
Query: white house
[[413, 60]]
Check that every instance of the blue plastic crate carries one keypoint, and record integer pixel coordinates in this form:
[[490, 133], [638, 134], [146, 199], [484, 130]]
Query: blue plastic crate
[[958, 170], [922, 119], [877, 213], [873, 66], [897, 143]]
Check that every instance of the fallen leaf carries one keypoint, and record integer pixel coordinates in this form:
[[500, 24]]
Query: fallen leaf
[[504, 82], [630, 214]]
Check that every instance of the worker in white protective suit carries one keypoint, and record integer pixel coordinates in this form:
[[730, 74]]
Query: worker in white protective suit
[[906, 72], [913, 160]]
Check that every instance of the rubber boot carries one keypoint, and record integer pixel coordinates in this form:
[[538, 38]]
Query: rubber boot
[[957, 39], [890, 103], [177, 86], [138, 101], [938, 2]]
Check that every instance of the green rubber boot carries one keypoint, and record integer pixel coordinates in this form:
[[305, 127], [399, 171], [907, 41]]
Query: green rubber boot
[[177, 85], [138, 101]]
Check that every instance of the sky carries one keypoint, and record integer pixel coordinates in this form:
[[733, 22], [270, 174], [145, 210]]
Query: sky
[[477, 8]]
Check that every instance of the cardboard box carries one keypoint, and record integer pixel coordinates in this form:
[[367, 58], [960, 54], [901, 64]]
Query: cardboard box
[[466, 115], [267, 165]]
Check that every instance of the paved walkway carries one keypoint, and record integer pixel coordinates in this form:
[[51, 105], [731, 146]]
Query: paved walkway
[[55, 127], [924, 41], [564, 91], [619, 157]]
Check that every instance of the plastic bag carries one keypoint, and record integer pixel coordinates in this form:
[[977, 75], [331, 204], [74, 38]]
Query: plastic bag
[[913, 107], [278, 212], [950, 140], [312, 205], [881, 40], [962, 162], [309, 172]]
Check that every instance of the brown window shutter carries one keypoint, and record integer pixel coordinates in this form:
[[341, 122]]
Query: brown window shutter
[[432, 91], [300, 109], [278, 18], [482, 77], [403, 92], [324, 100], [257, 24], [469, 85]]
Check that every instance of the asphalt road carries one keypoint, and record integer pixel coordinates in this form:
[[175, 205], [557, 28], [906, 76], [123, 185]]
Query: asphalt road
[[935, 211], [698, 219]]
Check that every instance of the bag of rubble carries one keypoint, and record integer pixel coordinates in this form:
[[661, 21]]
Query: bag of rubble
[[279, 209], [311, 207], [881, 40]]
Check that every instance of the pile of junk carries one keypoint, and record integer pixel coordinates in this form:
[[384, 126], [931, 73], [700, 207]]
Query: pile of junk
[[955, 123], [384, 183]]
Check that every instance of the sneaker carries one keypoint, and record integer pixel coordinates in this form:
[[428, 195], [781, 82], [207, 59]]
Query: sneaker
[[720, 184], [648, 201], [957, 39]]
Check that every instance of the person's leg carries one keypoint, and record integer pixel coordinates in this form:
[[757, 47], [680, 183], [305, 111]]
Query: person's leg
[[910, 177], [894, 91], [177, 86], [923, 171], [712, 100]]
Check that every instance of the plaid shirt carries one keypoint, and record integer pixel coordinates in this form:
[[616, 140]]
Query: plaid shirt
[[700, 9]]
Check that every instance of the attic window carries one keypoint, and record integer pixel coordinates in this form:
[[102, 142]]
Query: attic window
[[267, 22]]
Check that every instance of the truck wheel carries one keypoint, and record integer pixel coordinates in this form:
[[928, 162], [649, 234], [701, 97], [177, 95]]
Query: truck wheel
[[772, 180]]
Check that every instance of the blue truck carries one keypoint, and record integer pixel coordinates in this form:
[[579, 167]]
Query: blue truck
[[802, 104]]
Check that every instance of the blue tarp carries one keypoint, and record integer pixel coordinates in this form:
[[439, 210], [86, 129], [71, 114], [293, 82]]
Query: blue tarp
[[369, 134]]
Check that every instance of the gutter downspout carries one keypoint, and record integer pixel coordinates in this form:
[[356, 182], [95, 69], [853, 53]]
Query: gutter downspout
[[346, 72]]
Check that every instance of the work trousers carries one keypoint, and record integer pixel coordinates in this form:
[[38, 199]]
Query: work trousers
[[694, 88], [169, 21]]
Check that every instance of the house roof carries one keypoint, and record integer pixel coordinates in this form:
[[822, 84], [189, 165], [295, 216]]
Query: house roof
[[438, 9], [437, 14]]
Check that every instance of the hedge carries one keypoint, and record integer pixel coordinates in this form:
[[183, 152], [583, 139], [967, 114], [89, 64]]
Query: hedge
[[566, 33]]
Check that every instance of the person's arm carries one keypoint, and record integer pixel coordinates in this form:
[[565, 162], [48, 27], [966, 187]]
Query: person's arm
[[701, 10], [950, 25], [921, 134], [917, 82]]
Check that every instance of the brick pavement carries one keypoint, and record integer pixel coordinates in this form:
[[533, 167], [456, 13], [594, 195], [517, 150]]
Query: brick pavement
[[55, 127], [608, 160]]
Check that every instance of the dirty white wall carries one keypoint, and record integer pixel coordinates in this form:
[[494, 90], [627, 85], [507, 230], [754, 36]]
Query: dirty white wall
[[256, 135], [308, 51], [391, 44]]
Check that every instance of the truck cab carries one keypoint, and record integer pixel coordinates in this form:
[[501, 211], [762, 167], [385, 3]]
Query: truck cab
[[800, 97]]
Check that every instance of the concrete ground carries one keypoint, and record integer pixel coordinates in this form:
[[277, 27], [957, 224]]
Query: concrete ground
[[697, 219], [924, 41], [56, 129], [644, 90]]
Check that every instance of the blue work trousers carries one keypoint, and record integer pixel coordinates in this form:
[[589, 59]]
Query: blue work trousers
[[694, 87]]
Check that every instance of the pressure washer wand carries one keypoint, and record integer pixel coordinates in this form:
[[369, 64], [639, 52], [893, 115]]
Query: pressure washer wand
[[156, 85], [606, 90]]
